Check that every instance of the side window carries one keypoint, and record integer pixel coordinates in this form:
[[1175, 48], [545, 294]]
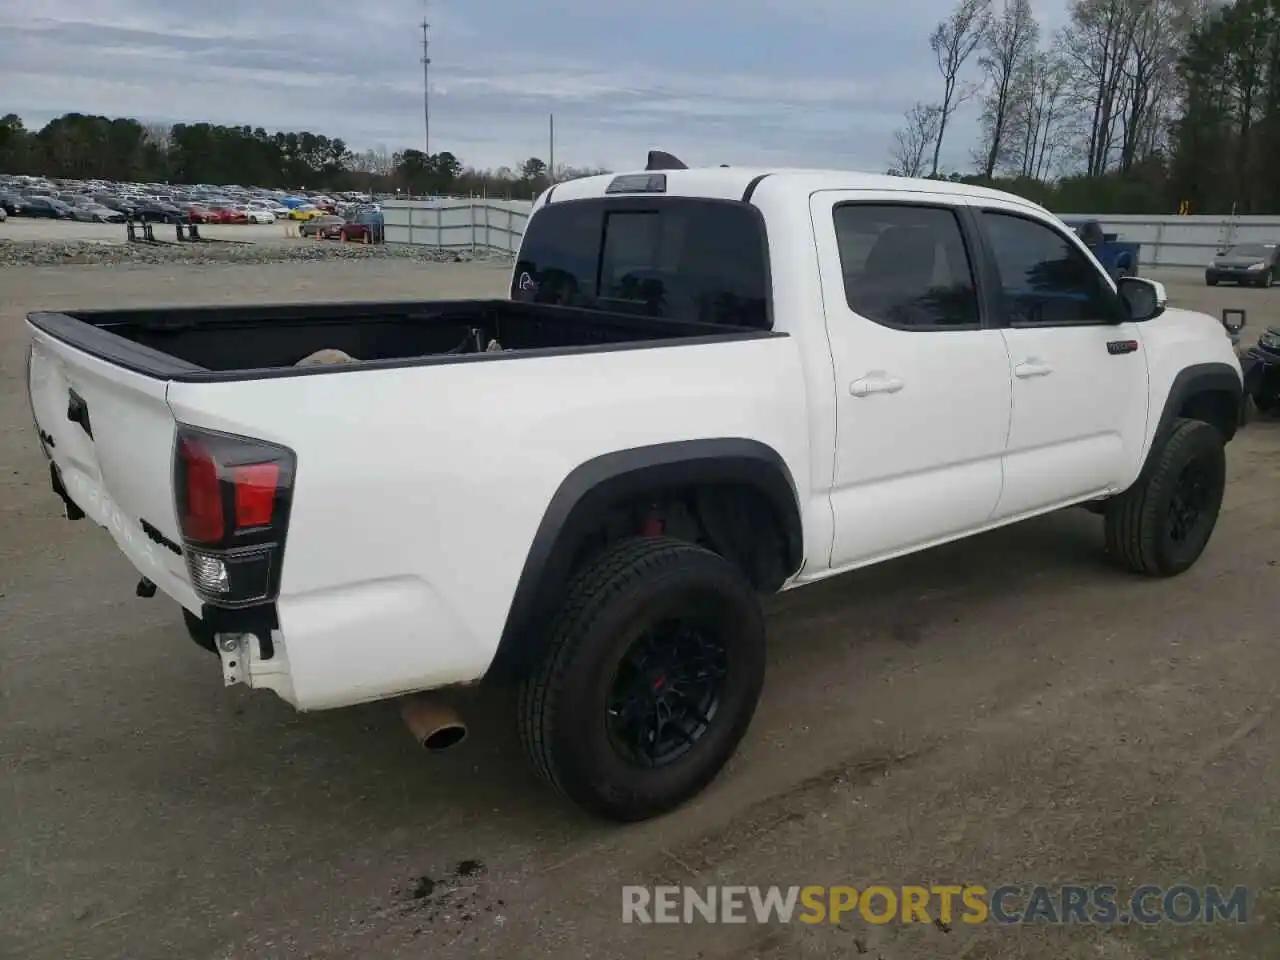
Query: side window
[[1045, 279], [906, 266]]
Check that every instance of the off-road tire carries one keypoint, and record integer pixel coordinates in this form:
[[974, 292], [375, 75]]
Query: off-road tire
[[1137, 521], [561, 705]]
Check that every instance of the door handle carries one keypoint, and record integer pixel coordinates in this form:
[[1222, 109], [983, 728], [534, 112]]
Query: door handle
[[866, 386], [1032, 368]]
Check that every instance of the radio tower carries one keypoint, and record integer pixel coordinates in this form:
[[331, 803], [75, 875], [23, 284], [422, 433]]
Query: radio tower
[[426, 84]]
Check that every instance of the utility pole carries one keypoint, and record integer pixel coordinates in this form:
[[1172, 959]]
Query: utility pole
[[426, 84], [551, 167]]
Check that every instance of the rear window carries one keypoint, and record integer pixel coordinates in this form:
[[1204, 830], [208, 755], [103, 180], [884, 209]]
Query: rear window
[[677, 258]]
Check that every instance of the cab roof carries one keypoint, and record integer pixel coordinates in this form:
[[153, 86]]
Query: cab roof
[[732, 183]]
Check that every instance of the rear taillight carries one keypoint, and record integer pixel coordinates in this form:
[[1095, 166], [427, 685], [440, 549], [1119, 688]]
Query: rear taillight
[[233, 496]]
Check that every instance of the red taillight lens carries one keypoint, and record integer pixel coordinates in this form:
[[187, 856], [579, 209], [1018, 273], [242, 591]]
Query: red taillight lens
[[255, 487], [233, 501], [201, 513]]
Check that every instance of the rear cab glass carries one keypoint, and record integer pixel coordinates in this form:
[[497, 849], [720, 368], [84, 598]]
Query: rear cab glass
[[677, 258]]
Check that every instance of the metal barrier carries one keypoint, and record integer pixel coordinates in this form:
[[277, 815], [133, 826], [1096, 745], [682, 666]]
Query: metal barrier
[[144, 235], [498, 225], [475, 225]]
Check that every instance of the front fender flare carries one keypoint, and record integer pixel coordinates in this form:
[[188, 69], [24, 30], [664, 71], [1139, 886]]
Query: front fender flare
[[1198, 378]]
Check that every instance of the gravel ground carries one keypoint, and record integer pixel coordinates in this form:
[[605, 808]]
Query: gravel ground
[[19, 253], [37, 243], [1005, 710]]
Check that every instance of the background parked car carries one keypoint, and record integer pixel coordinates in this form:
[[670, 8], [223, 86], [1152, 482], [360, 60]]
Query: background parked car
[[197, 213], [227, 214], [305, 213], [12, 204], [116, 203], [257, 214], [103, 214], [46, 207], [1252, 264], [363, 223], [157, 211], [3, 215], [326, 225]]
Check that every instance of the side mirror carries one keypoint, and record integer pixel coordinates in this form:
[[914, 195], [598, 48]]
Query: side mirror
[[1143, 299]]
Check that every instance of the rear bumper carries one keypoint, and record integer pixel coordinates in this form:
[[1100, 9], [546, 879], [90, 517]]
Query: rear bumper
[[1233, 276], [333, 648]]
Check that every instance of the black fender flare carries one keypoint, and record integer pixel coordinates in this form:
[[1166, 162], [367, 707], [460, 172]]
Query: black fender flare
[[592, 488], [1195, 379]]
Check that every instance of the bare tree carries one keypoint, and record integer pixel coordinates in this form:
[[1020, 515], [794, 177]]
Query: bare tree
[[953, 42], [1098, 43], [379, 161], [1007, 48], [1150, 94], [1039, 110], [911, 143], [160, 135]]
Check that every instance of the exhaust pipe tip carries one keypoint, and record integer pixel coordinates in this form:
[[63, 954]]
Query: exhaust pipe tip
[[433, 724]]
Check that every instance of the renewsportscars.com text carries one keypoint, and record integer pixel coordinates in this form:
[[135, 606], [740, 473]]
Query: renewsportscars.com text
[[941, 904]]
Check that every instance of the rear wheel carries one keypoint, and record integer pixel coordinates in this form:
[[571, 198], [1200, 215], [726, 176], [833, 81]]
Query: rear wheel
[[1161, 525], [650, 679]]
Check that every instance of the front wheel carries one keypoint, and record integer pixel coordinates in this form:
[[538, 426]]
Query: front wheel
[[649, 681], [1161, 525]]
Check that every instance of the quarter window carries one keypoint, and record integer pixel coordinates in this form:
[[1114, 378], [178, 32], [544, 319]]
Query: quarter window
[[1045, 279], [906, 266]]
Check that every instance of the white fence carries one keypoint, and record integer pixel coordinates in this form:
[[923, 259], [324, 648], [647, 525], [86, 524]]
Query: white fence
[[1167, 241], [454, 224], [1171, 241]]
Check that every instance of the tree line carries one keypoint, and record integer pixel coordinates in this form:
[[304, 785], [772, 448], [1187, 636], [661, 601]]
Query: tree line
[[122, 149], [1134, 106]]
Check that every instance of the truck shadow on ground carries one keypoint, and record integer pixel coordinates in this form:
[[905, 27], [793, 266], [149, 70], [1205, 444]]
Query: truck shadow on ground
[[362, 763]]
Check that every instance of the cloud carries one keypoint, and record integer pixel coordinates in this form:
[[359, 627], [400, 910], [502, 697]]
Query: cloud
[[803, 82]]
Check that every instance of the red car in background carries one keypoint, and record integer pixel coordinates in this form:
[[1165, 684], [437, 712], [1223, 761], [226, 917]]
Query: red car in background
[[228, 215], [365, 226], [197, 213]]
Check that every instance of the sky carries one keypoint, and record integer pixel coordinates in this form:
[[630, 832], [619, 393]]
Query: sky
[[816, 83]]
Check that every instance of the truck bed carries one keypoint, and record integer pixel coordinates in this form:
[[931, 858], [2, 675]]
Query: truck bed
[[231, 343]]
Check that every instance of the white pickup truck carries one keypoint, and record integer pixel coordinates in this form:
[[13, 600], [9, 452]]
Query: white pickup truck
[[706, 386]]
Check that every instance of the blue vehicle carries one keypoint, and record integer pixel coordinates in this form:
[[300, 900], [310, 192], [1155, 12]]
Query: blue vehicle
[[1118, 257]]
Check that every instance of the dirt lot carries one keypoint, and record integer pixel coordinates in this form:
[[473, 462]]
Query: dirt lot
[[1006, 710]]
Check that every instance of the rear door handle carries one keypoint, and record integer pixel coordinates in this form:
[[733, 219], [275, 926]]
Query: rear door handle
[[876, 383], [1032, 368]]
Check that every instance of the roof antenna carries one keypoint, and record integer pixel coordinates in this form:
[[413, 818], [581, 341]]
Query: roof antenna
[[661, 160]]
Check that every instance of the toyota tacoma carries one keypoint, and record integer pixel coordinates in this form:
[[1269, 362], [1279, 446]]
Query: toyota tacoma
[[704, 386]]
